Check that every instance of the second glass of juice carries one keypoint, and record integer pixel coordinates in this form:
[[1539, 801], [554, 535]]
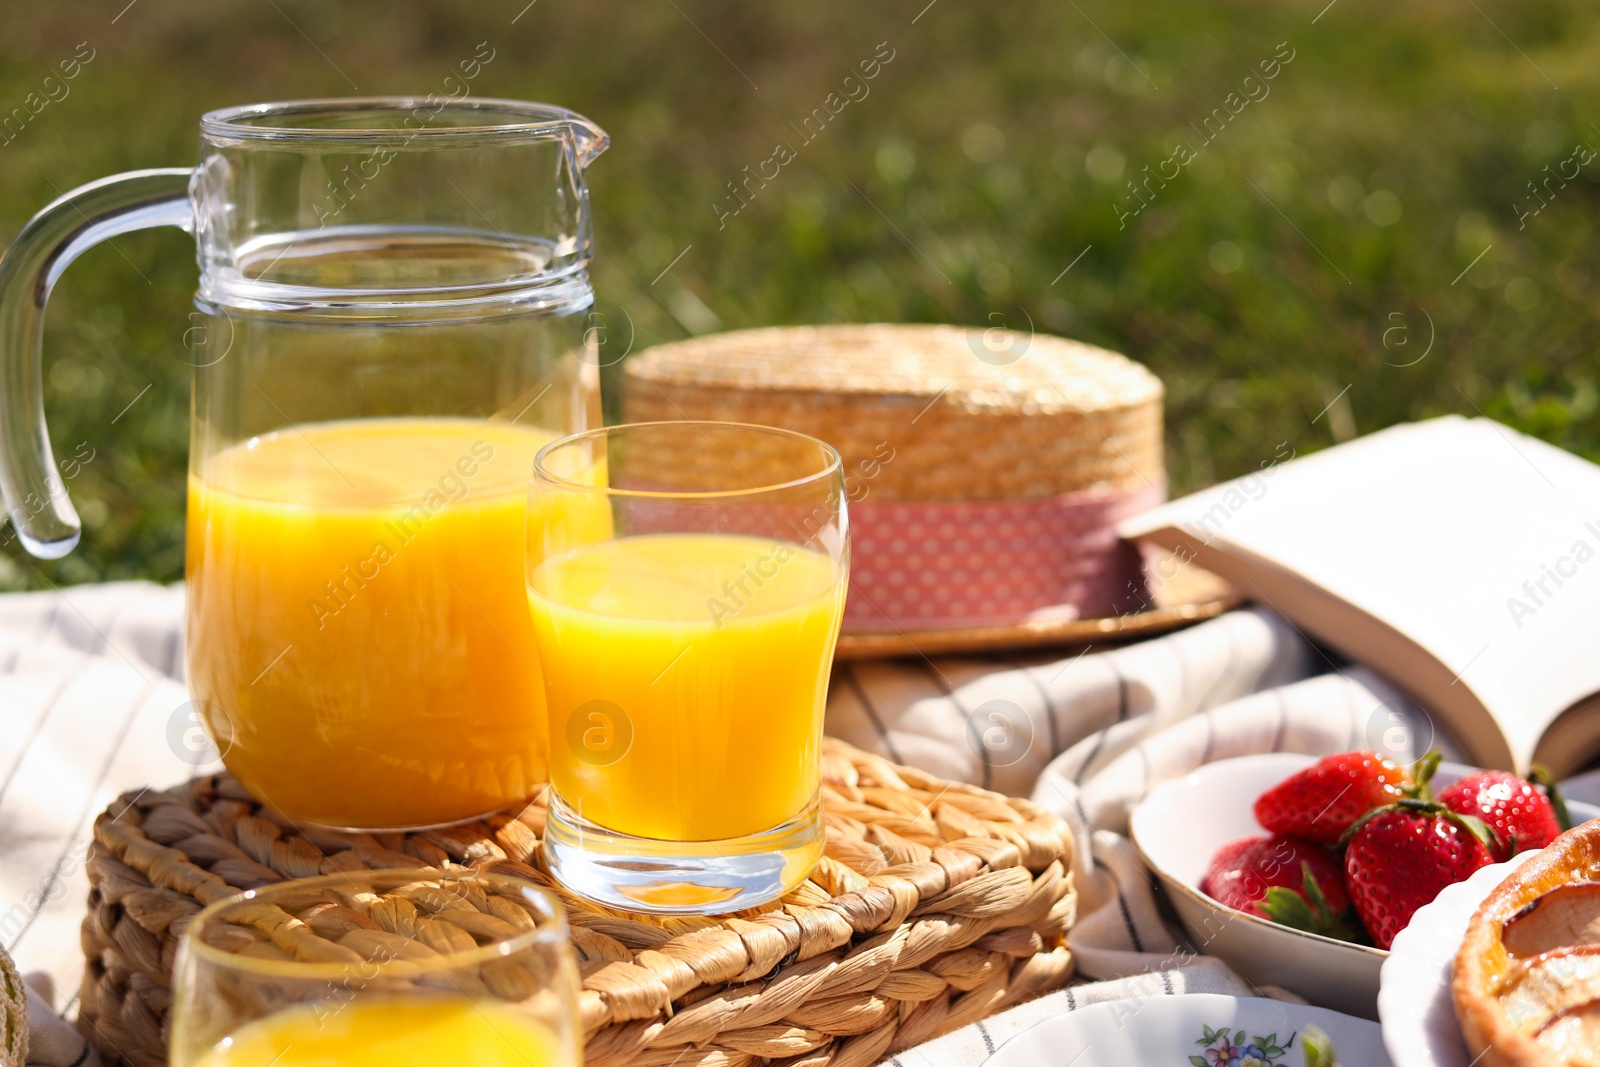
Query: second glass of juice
[[686, 581], [389, 968]]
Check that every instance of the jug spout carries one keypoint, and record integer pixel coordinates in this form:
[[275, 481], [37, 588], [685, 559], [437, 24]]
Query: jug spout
[[588, 140]]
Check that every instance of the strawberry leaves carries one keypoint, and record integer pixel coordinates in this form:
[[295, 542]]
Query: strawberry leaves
[[1318, 1048], [1418, 799], [1308, 910], [1540, 776]]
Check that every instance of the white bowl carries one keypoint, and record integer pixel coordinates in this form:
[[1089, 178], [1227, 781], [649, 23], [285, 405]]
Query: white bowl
[[1170, 1030], [1179, 827]]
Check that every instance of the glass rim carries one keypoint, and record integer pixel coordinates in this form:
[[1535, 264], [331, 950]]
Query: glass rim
[[543, 928], [243, 122], [834, 464]]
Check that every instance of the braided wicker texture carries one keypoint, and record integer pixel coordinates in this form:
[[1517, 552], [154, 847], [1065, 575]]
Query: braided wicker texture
[[966, 414], [936, 904], [13, 1015]]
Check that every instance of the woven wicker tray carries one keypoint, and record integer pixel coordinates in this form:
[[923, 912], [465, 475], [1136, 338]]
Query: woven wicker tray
[[936, 904]]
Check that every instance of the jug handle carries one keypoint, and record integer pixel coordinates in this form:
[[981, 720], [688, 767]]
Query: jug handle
[[35, 497]]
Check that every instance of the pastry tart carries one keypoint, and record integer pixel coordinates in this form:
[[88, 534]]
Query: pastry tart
[[1526, 982]]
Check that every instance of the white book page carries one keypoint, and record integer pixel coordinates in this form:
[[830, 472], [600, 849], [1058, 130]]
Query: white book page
[[1480, 544]]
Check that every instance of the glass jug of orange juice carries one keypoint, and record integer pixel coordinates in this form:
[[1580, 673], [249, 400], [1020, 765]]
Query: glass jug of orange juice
[[392, 319]]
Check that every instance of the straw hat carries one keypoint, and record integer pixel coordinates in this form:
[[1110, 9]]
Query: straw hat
[[986, 469]]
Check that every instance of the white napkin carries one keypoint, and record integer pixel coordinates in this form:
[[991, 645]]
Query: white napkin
[[92, 705], [1087, 737], [52, 1041], [996, 721]]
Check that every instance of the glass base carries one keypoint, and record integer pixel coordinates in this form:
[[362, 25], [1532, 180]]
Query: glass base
[[643, 874], [511, 809]]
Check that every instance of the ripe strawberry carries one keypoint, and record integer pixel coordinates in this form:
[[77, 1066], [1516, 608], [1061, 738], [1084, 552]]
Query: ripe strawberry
[[1296, 883], [1241, 873], [1521, 813], [1324, 800], [1400, 856]]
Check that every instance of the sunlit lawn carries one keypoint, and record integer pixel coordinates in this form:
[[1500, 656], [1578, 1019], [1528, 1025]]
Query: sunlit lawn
[[1346, 243]]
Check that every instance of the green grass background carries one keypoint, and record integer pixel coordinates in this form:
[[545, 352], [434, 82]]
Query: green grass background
[[992, 151]]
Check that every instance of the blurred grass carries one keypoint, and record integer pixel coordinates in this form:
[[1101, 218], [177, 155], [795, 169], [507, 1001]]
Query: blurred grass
[[990, 153]]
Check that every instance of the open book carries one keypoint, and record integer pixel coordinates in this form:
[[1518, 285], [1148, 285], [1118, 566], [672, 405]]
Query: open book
[[1455, 556]]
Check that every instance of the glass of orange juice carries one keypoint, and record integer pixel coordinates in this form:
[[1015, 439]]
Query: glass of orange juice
[[685, 611], [387, 968]]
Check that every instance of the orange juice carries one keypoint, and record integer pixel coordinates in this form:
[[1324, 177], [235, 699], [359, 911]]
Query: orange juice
[[392, 1032], [685, 676], [358, 638]]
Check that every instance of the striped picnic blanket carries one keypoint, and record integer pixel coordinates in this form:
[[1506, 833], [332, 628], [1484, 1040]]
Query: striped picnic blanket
[[93, 704]]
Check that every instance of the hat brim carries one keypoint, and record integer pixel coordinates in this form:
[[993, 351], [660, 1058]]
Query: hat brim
[[1189, 595]]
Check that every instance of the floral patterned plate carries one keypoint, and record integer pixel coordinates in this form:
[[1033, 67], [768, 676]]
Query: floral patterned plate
[[1199, 1029]]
